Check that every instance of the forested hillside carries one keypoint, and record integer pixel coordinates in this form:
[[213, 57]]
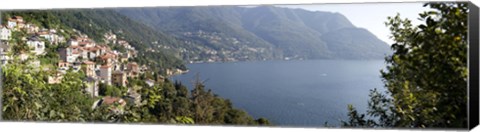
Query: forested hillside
[[263, 32]]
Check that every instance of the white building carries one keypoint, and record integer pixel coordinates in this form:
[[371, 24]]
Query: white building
[[5, 33], [3, 53], [12, 23], [72, 42], [66, 54], [106, 74], [37, 45]]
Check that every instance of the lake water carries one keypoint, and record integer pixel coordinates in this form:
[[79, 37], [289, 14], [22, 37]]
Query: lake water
[[304, 93]]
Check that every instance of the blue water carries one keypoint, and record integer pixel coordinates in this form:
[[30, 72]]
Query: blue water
[[292, 93]]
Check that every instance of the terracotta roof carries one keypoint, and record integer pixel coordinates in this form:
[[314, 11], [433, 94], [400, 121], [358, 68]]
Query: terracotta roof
[[42, 33], [118, 72], [12, 20], [108, 100], [105, 66], [75, 52], [63, 62], [106, 56], [133, 63], [89, 62], [83, 43], [74, 46]]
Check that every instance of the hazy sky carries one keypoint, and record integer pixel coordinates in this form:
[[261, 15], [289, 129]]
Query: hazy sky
[[371, 15]]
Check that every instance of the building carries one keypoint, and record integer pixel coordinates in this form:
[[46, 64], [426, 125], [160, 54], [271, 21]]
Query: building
[[77, 65], [23, 56], [134, 98], [119, 78], [20, 25], [37, 45], [11, 23], [5, 33], [72, 42], [150, 82], [124, 58], [62, 65], [160, 78], [108, 58], [67, 55], [132, 69], [117, 103], [31, 28], [106, 74], [4, 48], [89, 68], [18, 19], [91, 86], [55, 79]]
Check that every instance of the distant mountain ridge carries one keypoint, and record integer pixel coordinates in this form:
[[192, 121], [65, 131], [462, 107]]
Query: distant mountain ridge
[[263, 32]]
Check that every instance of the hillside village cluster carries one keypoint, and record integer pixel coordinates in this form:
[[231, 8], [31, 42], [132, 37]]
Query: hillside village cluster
[[99, 62]]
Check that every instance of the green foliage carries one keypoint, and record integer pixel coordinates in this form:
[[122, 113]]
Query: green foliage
[[27, 96], [426, 77], [109, 90]]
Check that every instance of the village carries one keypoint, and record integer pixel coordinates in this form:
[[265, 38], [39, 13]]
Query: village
[[99, 63]]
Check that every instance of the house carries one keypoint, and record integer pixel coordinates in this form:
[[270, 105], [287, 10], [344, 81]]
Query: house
[[11, 23], [119, 78], [20, 25], [106, 74], [5, 33], [110, 37], [132, 69], [18, 18], [83, 53], [4, 48], [66, 54], [76, 66], [91, 86], [31, 28], [150, 82], [86, 43], [108, 58], [23, 56], [37, 45], [72, 42], [117, 103], [62, 65], [134, 98], [124, 58], [55, 79], [89, 68], [92, 52], [160, 78], [51, 37], [143, 69]]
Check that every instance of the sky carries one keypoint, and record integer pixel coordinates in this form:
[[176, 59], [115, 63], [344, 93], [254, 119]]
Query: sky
[[371, 16]]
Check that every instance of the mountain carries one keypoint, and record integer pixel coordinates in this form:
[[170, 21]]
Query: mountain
[[263, 32]]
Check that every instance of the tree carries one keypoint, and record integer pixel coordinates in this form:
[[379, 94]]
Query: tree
[[426, 77]]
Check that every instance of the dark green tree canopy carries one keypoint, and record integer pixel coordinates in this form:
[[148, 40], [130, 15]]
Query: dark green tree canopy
[[426, 77]]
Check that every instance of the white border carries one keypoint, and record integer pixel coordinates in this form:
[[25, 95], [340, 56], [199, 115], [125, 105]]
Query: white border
[[62, 127], [48, 4]]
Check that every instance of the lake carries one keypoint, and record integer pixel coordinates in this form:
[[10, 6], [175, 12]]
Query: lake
[[304, 93]]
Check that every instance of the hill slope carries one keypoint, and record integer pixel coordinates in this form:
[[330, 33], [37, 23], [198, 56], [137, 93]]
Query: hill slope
[[276, 32], [95, 23]]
